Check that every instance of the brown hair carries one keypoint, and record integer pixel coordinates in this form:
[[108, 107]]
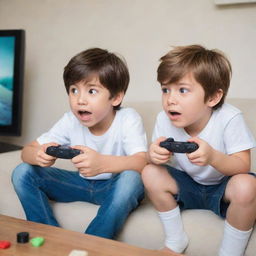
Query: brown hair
[[210, 68], [112, 71]]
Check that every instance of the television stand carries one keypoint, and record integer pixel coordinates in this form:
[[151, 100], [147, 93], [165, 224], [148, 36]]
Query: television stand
[[6, 147]]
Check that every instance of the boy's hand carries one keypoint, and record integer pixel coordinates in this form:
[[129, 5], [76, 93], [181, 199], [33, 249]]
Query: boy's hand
[[203, 155], [43, 159], [157, 154], [89, 163]]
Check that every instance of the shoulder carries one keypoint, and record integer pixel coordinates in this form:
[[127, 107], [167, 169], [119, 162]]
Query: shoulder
[[226, 113], [228, 109], [70, 118], [128, 113], [67, 122], [236, 133], [162, 114], [162, 117], [129, 120], [164, 127]]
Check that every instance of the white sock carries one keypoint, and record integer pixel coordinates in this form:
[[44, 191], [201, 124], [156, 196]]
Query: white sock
[[175, 237], [234, 241]]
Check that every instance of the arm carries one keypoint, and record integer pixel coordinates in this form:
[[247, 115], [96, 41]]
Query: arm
[[227, 164], [115, 164], [92, 163], [34, 154], [231, 164]]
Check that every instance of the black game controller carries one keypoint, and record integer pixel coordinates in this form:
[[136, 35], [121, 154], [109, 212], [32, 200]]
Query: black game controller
[[178, 146], [64, 152]]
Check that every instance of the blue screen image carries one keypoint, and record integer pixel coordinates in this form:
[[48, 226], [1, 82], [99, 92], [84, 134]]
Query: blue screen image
[[7, 54]]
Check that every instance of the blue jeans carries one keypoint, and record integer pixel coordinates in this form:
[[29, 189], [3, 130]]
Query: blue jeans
[[117, 196]]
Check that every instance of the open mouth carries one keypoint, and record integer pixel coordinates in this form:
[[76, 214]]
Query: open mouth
[[84, 114], [173, 113]]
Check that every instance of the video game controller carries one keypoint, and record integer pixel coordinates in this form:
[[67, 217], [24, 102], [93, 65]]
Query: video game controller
[[64, 152], [178, 146]]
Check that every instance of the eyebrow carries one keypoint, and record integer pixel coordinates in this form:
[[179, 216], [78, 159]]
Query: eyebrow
[[184, 83], [93, 85], [177, 84]]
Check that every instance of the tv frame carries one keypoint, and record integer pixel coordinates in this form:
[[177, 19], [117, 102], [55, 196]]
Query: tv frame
[[14, 129]]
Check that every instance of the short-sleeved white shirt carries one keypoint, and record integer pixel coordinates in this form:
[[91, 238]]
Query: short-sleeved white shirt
[[126, 135], [226, 132]]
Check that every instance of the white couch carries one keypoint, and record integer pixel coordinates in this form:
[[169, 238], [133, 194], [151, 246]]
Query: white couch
[[142, 228]]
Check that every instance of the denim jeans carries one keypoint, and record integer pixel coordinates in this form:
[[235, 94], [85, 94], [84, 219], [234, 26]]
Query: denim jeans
[[117, 196]]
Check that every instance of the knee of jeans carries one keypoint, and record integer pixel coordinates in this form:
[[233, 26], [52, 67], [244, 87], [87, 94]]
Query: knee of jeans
[[130, 181], [129, 188], [20, 173]]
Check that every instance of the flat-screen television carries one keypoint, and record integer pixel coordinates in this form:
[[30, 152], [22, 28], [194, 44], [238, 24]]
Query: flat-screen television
[[12, 51]]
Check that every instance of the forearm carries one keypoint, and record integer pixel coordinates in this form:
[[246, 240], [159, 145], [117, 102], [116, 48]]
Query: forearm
[[231, 164], [28, 154], [116, 164]]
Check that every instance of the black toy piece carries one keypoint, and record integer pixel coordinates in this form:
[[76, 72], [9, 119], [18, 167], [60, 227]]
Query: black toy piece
[[178, 146], [64, 152], [22, 237]]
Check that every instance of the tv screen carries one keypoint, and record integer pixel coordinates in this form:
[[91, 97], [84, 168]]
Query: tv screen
[[12, 47]]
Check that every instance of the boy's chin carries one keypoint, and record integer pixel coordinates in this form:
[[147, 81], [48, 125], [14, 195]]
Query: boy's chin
[[178, 124], [86, 124]]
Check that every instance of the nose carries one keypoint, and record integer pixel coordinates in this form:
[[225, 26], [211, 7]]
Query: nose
[[172, 98], [82, 100]]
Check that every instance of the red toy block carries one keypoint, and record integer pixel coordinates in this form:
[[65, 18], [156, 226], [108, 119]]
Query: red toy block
[[4, 244]]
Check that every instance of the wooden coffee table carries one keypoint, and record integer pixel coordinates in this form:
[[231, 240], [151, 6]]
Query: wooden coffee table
[[60, 242]]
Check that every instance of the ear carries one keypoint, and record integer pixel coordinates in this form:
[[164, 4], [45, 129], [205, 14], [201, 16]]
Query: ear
[[116, 100], [215, 99]]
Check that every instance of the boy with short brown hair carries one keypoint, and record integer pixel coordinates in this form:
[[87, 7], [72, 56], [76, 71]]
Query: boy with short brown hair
[[194, 83], [112, 141]]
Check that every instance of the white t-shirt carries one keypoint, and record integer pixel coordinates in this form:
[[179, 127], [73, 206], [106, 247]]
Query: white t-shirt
[[126, 135], [226, 132]]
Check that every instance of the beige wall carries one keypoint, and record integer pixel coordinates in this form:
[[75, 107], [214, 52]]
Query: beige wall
[[140, 30]]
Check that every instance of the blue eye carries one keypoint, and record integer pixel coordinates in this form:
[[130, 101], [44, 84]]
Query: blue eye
[[165, 90], [183, 90], [92, 91]]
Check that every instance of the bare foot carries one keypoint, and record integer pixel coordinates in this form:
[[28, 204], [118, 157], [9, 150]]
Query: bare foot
[[172, 253]]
